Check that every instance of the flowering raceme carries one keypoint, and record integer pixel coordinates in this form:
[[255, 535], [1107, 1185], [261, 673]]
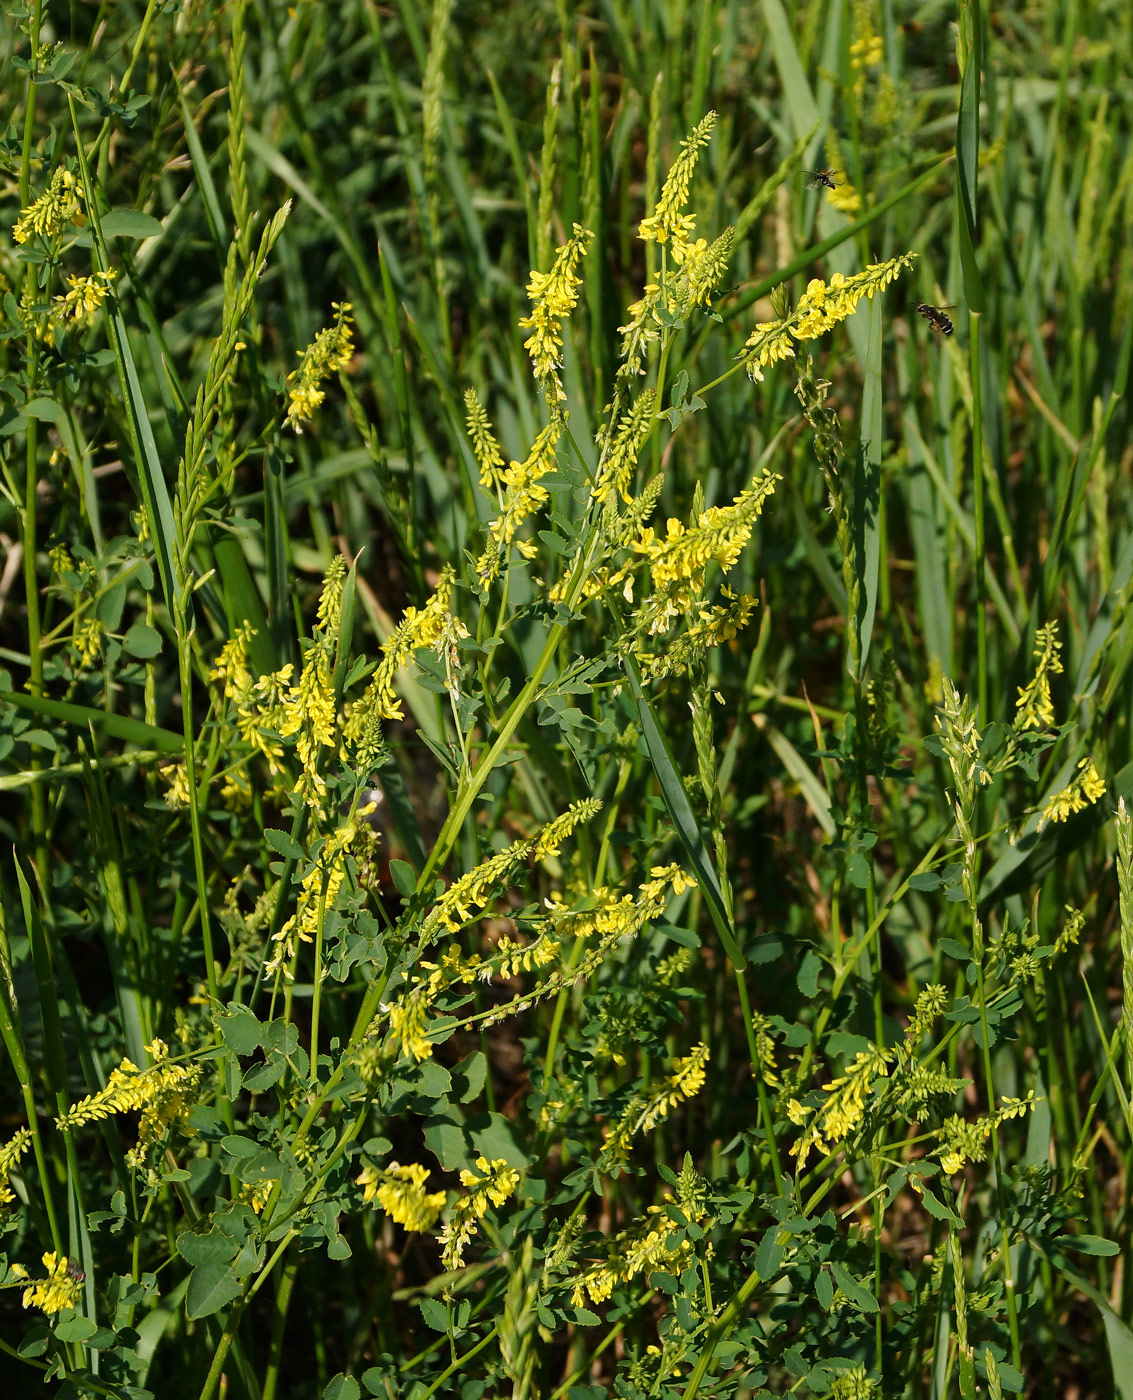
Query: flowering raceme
[[667, 222], [491, 1184], [523, 495], [820, 308], [1087, 786], [165, 1093], [329, 352], [62, 1288], [60, 204], [553, 295], [400, 1191], [679, 560], [419, 627]]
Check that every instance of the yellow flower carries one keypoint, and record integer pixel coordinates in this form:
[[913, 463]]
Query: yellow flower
[[523, 496], [10, 1154], [62, 1288], [319, 889], [87, 641], [467, 896], [619, 462], [178, 794], [679, 561], [309, 713], [78, 306], [423, 627], [1086, 788], [329, 353], [1035, 709], [820, 308], [553, 295], [400, 1191], [667, 221], [61, 204], [165, 1093], [490, 1185]]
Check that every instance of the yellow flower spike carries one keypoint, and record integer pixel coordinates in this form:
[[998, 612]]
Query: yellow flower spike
[[424, 627], [309, 713], [493, 1183], [523, 496], [61, 204], [667, 221], [10, 1154], [1035, 708], [819, 309], [1083, 792], [329, 353], [62, 1288], [553, 295], [78, 306], [400, 1191], [303, 924]]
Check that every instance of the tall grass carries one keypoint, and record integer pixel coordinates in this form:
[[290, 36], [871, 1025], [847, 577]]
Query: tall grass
[[440, 967]]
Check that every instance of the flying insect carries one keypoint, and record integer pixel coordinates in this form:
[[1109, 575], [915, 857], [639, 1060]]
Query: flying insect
[[822, 178], [936, 318]]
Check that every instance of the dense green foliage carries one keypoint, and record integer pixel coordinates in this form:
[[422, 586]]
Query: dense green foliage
[[651, 919]]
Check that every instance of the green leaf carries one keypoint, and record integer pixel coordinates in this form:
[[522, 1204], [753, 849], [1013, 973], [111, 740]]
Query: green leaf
[[494, 1136], [142, 640], [45, 409], [435, 1314], [133, 731], [239, 1146], [263, 1076], [807, 976], [212, 1286], [129, 223], [240, 1030], [1088, 1244], [769, 1255], [283, 844], [76, 1329], [936, 1207], [342, 1387], [404, 876], [860, 1296], [211, 1248], [39, 737]]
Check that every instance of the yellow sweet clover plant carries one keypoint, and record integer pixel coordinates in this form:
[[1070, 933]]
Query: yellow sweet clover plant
[[415, 868]]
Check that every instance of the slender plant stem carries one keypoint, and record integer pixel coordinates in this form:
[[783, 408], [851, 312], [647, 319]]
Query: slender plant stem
[[978, 511], [997, 1163]]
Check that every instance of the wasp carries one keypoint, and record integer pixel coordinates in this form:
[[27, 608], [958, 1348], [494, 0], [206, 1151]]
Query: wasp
[[936, 318], [822, 178]]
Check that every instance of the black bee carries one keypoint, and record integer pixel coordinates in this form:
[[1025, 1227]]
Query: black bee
[[936, 318], [824, 178]]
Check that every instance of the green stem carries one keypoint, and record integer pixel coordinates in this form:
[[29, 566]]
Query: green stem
[[316, 988], [757, 1074], [459, 1362], [997, 1171], [228, 1336], [728, 1319], [282, 1303], [978, 509]]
